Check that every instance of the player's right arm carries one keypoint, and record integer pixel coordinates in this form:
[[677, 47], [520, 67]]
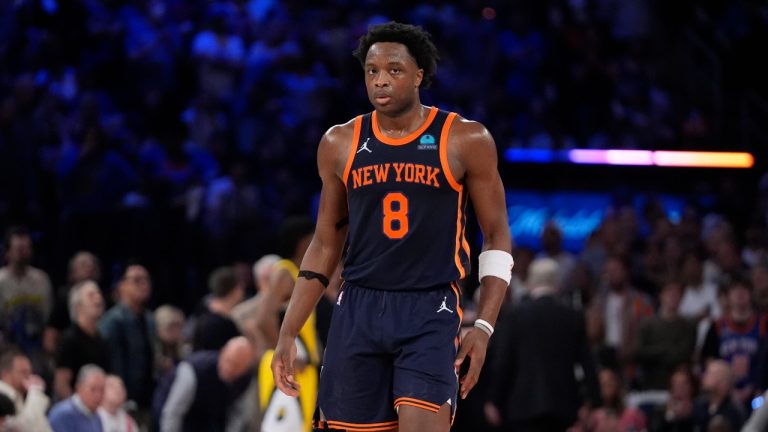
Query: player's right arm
[[323, 253]]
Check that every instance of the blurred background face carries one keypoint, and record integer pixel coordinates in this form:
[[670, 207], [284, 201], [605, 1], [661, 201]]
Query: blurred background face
[[20, 372], [91, 390], [739, 296], [91, 300], [137, 286], [680, 386], [19, 251], [615, 274], [670, 296], [235, 360], [609, 385], [692, 271], [114, 391], [83, 267]]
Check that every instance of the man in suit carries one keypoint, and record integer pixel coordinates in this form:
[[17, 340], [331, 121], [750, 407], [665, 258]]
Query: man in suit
[[540, 342]]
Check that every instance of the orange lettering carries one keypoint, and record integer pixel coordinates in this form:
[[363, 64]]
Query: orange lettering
[[367, 176], [432, 176], [409, 169], [398, 170], [381, 173], [420, 174], [357, 180]]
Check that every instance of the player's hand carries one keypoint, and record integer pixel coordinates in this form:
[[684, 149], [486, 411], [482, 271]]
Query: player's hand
[[474, 345], [34, 382], [283, 366]]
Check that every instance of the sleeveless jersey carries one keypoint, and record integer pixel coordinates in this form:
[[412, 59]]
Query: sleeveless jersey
[[406, 209], [740, 343]]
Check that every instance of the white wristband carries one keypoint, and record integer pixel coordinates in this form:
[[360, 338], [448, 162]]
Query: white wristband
[[484, 326], [496, 263]]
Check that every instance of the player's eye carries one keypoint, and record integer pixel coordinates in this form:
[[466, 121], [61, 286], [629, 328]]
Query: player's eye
[[395, 70]]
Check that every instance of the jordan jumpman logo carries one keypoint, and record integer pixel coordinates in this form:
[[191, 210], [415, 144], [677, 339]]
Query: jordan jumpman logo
[[443, 307]]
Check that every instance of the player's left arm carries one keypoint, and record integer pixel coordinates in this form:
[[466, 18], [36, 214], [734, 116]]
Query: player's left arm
[[475, 155]]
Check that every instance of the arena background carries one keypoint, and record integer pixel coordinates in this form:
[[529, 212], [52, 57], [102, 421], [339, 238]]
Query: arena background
[[182, 133]]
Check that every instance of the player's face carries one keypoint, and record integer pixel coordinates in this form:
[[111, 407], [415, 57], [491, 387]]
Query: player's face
[[392, 77]]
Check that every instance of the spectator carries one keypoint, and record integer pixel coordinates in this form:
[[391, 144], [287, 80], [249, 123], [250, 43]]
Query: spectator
[[214, 327], [83, 266], [615, 415], [616, 315], [295, 235], [539, 345], [245, 314], [78, 413], [552, 247], [206, 386], [169, 350], [739, 338], [700, 298], [25, 294], [81, 344], [113, 416], [676, 415], [26, 391], [666, 341], [129, 330], [716, 385]]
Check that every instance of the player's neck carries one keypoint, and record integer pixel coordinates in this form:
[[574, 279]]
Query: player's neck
[[402, 123]]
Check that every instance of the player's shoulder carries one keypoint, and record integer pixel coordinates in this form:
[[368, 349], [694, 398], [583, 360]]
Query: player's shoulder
[[468, 129], [340, 133]]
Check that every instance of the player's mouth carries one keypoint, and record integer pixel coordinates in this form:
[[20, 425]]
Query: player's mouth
[[382, 99]]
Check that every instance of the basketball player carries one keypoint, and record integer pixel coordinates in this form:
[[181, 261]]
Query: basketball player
[[395, 186]]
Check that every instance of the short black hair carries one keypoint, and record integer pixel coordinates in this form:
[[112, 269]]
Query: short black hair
[[15, 231], [7, 358], [222, 281], [417, 40]]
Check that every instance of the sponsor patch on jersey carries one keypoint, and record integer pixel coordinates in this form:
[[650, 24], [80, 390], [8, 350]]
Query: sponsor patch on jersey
[[427, 142]]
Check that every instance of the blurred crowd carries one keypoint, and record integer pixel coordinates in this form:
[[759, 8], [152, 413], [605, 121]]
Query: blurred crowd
[[154, 147]]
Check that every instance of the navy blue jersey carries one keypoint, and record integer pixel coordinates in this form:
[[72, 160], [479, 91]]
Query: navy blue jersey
[[406, 210]]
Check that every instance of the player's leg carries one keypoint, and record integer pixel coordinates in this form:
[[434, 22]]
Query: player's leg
[[414, 419], [425, 383], [355, 391]]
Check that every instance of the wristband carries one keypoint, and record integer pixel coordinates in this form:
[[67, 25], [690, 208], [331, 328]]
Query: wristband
[[484, 326], [309, 274], [496, 263]]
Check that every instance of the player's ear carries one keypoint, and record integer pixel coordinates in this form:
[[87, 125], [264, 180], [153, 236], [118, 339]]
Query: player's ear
[[419, 77]]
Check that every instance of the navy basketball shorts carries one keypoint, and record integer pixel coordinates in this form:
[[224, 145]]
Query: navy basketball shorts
[[387, 349]]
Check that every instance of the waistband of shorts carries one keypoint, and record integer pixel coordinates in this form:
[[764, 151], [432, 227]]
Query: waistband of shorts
[[436, 287]]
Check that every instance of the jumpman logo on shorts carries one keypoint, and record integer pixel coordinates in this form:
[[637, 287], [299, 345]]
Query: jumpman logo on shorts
[[443, 307], [365, 147]]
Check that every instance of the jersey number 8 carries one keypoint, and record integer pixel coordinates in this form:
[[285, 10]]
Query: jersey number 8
[[395, 208]]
